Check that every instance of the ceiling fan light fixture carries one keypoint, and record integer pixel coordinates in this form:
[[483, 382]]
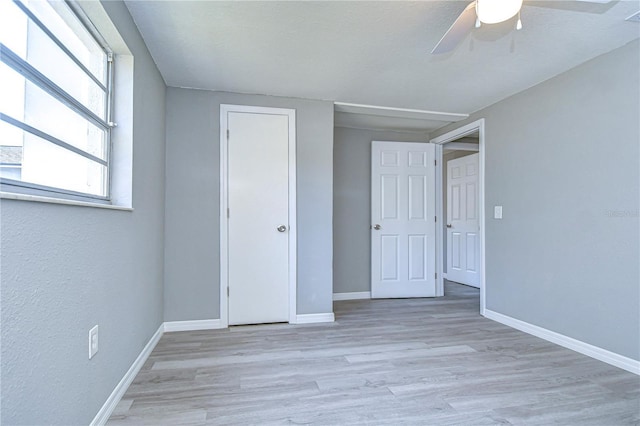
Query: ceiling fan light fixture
[[495, 11]]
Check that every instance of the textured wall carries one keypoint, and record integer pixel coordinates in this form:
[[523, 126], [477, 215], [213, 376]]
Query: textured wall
[[352, 205], [560, 157], [192, 254], [67, 268]]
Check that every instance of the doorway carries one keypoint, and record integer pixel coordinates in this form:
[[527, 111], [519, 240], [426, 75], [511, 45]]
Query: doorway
[[461, 244], [454, 146], [257, 215]]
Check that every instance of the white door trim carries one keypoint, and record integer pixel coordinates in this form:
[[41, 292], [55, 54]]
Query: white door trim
[[441, 140], [224, 197], [463, 146]]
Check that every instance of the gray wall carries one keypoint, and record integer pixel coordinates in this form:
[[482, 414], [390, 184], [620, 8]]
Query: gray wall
[[192, 252], [559, 157], [352, 205], [67, 268]]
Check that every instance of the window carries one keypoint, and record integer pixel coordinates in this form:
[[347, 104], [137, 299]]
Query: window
[[55, 103]]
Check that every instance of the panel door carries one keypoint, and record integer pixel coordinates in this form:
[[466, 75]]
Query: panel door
[[403, 220], [258, 204], [463, 241]]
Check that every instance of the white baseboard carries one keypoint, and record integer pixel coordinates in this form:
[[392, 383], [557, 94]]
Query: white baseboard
[[352, 296], [587, 349], [120, 389], [313, 318], [112, 401], [211, 324]]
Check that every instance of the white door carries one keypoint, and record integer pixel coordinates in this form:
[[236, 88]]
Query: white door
[[403, 220], [463, 241], [258, 217]]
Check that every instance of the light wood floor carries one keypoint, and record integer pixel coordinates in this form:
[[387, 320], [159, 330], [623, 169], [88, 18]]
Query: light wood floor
[[383, 362]]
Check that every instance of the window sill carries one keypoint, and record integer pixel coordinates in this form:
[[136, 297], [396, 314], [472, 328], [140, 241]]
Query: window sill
[[41, 199]]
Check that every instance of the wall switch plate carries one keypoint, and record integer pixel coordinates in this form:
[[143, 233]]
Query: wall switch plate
[[497, 212], [93, 341]]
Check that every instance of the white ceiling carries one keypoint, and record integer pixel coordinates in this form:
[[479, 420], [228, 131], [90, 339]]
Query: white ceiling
[[374, 53]]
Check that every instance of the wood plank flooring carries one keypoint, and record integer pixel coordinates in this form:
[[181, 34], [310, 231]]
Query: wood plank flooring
[[383, 362]]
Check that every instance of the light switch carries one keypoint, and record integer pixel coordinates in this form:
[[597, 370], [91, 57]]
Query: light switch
[[497, 212], [93, 341]]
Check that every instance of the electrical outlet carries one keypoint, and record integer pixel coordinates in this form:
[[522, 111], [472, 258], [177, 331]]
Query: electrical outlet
[[93, 341]]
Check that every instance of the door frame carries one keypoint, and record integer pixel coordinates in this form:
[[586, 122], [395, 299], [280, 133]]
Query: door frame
[[450, 136], [224, 198]]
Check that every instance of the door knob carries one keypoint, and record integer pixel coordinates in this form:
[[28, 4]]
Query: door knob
[[449, 225], [282, 228], [377, 227]]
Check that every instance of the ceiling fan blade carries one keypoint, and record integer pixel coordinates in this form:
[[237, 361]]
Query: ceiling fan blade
[[458, 31], [587, 6]]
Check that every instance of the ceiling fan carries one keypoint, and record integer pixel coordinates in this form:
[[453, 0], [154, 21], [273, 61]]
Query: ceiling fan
[[480, 12]]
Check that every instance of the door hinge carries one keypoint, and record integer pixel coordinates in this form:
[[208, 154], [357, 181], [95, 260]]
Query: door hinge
[[227, 291], [435, 162], [436, 275], [227, 133], [228, 213], [435, 218], [109, 57]]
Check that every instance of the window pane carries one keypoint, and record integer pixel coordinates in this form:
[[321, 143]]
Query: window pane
[[11, 158], [10, 144], [11, 172], [42, 53], [44, 163], [63, 23], [13, 28], [28, 103], [12, 86]]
